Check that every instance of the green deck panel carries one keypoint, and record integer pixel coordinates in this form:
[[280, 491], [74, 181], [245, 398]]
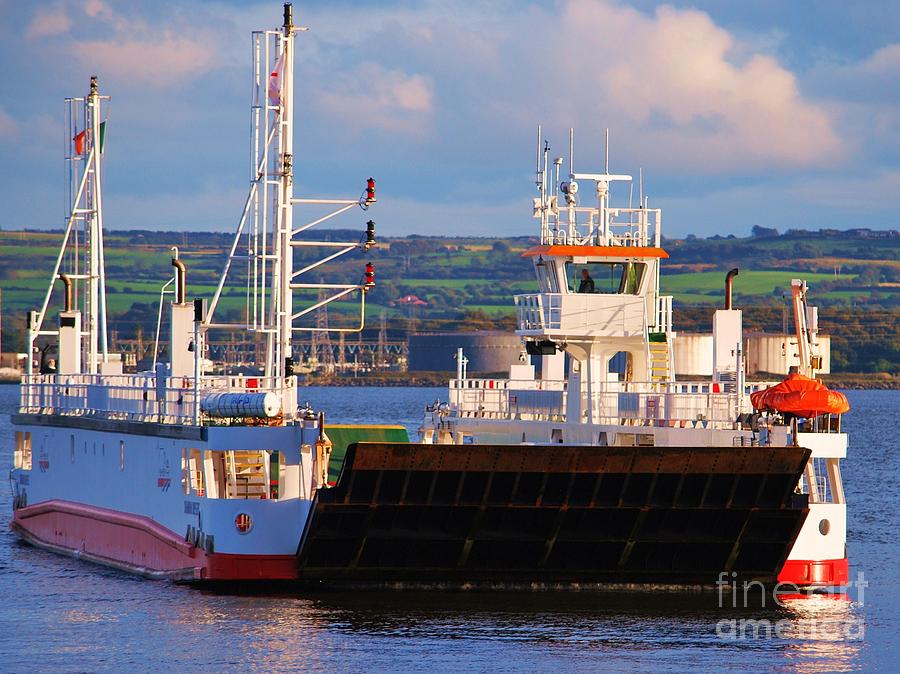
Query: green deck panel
[[343, 435]]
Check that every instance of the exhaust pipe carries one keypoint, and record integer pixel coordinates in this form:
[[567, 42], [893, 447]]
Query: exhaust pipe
[[729, 281], [68, 298], [180, 277]]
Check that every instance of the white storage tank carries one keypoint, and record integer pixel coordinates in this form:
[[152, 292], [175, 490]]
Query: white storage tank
[[693, 354], [487, 351], [777, 353]]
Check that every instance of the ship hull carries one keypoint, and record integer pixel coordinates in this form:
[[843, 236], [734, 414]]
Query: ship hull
[[504, 515], [138, 545], [445, 516]]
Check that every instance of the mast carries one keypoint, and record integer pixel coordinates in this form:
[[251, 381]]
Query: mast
[[84, 129], [271, 229], [96, 271], [282, 282]]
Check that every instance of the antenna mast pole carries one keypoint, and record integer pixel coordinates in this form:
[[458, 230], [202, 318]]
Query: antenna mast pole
[[285, 220], [97, 280], [96, 293]]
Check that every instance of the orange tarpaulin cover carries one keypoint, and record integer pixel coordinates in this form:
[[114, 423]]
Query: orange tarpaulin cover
[[801, 396]]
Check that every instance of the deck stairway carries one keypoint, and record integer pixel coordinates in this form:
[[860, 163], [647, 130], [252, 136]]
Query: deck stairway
[[660, 357], [247, 471]]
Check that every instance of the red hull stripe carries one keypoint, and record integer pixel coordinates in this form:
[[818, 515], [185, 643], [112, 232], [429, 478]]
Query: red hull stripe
[[805, 573], [138, 544]]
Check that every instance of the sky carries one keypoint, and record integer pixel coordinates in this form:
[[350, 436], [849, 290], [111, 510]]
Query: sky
[[772, 113]]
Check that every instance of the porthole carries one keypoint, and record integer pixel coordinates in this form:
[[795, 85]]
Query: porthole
[[824, 527], [243, 523]]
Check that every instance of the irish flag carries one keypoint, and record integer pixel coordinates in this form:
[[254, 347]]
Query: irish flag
[[79, 139]]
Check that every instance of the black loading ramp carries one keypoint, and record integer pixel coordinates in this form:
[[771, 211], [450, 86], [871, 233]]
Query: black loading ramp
[[498, 514]]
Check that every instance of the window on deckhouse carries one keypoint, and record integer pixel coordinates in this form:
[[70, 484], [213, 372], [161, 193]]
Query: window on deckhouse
[[606, 278]]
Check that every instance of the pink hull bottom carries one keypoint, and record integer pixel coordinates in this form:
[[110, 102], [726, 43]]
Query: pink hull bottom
[[138, 544]]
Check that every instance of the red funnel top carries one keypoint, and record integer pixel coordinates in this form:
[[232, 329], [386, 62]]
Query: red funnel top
[[801, 396]]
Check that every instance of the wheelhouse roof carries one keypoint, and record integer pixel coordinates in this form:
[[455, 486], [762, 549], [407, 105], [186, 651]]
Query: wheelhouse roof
[[596, 251]]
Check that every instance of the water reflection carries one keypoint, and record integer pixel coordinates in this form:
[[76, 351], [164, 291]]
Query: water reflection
[[617, 630], [824, 634]]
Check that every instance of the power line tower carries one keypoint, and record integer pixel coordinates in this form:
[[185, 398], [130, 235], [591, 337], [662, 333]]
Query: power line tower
[[382, 336], [321, 337]]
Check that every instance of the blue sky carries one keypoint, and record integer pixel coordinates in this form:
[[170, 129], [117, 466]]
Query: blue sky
[[782, 114]]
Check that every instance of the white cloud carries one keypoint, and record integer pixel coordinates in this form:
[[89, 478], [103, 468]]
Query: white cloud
[[372, 96], [48, 22], [159, 62], [667, 83], [871, 80], [95, 8], [155, 51], [676, 89]]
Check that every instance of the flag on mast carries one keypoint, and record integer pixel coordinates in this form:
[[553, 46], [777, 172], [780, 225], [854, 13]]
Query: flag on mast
[[79, 142], [80, 136], [275, 79]]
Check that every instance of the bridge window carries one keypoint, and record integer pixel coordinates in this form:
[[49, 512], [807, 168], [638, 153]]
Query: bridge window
[[546, 273], [607, 278]]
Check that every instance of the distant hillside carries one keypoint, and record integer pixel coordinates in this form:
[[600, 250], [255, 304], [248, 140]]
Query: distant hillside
[[468, 283]]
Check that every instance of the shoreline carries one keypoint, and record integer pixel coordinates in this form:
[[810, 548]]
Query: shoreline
[[853, 381]]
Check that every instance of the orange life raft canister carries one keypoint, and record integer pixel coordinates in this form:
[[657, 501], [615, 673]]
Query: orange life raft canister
[[801, 396]]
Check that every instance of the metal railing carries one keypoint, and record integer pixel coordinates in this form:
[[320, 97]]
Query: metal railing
[[664, 313], [137, 397], [593, 314], [688, 404], [580, 225]]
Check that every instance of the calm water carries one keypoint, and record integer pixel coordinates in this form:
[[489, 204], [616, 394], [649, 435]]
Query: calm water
[[58, 614]]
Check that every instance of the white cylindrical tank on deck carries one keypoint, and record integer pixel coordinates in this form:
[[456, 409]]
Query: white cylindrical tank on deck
[[777, 353], [694, 354], [261, 405]]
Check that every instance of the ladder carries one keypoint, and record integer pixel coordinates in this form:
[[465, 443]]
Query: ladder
[[248, 473], [660, 363]]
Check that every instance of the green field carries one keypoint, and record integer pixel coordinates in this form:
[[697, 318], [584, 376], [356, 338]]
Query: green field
[[469, 283], [746, 283]]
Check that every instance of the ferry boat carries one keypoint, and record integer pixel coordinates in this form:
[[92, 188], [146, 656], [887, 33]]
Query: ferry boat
[[686, 479], [576, 478]]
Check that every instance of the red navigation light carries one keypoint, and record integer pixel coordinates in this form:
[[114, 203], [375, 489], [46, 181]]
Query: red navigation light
[[370, 275], [370, 190]]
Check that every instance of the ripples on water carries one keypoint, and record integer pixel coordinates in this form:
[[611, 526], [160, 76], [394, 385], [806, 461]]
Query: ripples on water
[[58, 614]]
